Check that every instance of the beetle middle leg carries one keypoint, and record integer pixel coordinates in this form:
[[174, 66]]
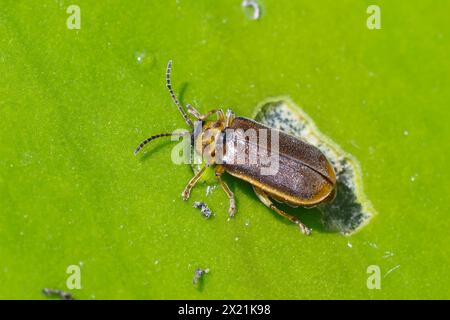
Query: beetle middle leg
[[264, 198], [232, 208]]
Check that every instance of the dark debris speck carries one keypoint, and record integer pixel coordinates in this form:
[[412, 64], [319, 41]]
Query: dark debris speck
[[205, 210], [57, 293]]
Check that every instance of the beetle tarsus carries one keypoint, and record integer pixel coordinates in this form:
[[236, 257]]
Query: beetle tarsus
[[185, 195], [187, 191], [232, 208], [304, 229]]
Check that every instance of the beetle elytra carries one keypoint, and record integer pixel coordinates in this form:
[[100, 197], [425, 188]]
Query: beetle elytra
[[304, 176]]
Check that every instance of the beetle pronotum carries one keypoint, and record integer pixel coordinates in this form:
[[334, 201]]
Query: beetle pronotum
[[304, 177]]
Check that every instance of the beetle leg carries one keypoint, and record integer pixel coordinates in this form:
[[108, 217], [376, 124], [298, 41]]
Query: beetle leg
[[200, 116], [229, 117], [232, 208], [191, 109], [264, 198], [187, 190], [219, 112]]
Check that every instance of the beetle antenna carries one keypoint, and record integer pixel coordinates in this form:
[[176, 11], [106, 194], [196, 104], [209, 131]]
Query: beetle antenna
[[174, 98], [143, 143]]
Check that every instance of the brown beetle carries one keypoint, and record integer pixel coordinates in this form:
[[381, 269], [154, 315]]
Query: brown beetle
[[304, 176]]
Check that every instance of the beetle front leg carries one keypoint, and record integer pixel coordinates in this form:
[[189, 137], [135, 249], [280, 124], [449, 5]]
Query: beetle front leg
[[187, 190], [219, 112], [199, 116], [192, 110], [226, 189], [264, 198], [229, 117]]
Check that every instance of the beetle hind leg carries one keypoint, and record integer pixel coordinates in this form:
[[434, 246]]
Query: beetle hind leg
[[226, 189], [264, 198]]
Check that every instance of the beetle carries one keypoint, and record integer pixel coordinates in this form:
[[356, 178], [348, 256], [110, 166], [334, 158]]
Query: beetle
[[304, 177]]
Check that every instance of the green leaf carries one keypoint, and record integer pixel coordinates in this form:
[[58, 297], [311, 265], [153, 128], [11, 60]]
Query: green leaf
[[75, 103]]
